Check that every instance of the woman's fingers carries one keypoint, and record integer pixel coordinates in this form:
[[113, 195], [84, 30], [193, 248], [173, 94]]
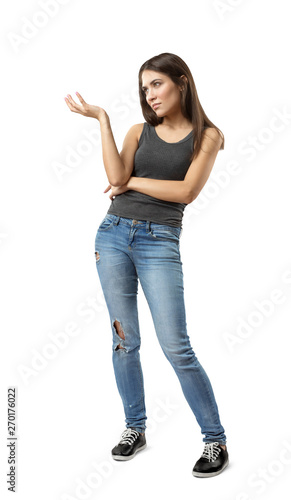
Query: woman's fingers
[[70, 99], [73, 105], [84, 108], [80, 98], [107, 189]]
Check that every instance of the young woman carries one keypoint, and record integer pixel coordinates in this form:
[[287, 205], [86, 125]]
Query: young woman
[[164, 163]]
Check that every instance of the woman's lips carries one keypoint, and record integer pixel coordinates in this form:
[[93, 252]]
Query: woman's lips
[[156, 105]]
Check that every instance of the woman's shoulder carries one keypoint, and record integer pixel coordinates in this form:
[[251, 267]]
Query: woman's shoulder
[[135, 131], [213, 134], [138, 129]]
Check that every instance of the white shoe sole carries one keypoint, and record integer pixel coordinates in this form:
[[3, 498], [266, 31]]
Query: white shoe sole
[[210, 474], [121, 457]]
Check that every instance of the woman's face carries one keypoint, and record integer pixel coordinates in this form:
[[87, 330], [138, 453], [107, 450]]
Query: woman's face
[[159, 88]]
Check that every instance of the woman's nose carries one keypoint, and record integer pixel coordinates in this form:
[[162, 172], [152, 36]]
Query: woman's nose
[[151, 95]]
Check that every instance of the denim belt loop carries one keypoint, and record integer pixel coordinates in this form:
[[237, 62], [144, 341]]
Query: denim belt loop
[[148, 226], [116, 222]]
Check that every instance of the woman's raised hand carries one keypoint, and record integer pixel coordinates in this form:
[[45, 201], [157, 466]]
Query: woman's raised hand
[[84, 108]]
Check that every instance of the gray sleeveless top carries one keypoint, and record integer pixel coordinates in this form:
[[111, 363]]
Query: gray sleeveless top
[[155, 159]]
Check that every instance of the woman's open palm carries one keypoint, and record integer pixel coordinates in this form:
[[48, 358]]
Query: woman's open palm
[[84, 108]]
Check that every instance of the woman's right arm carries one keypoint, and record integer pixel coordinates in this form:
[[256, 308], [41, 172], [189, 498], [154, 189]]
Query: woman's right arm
[[118, 166]]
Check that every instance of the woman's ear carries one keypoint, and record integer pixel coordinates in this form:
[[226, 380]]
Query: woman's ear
[[184, 78]]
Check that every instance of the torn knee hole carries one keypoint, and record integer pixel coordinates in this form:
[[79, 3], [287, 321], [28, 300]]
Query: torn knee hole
[[97, 255], [119, 332]]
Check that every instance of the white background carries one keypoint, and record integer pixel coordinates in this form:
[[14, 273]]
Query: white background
[[235, 249]]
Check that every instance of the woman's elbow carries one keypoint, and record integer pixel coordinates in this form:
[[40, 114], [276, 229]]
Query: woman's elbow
[[189, 196], [118, 181]]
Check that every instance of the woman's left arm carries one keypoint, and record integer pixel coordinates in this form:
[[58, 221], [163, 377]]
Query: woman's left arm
[[179, 191]]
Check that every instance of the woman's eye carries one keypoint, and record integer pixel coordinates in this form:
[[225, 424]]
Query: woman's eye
[[156, 83]]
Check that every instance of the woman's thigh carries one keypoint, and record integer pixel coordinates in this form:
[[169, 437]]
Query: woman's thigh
[[119, 281], [160, 271]]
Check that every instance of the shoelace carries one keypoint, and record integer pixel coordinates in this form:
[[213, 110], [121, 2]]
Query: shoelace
[[129, 436], [211, 451]]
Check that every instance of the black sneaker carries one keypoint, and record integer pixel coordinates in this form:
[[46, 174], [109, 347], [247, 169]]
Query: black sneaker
[[131, 442], [213, 461]]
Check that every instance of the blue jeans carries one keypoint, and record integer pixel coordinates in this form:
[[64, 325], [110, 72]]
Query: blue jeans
[[127, 250]]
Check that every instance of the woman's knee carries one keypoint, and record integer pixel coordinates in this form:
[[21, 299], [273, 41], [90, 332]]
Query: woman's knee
[[119, 332], [127, 340]]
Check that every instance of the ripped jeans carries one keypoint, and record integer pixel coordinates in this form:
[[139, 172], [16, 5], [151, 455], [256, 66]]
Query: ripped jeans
[[128, 250]]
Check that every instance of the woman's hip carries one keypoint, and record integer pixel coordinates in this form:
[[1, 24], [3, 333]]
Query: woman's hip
[[139, 239]]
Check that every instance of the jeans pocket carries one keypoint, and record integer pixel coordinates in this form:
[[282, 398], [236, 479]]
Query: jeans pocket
[[106, 223], [165, 233]]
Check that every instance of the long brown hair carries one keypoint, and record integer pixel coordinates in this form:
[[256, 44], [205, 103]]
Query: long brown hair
[[174, 67]]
